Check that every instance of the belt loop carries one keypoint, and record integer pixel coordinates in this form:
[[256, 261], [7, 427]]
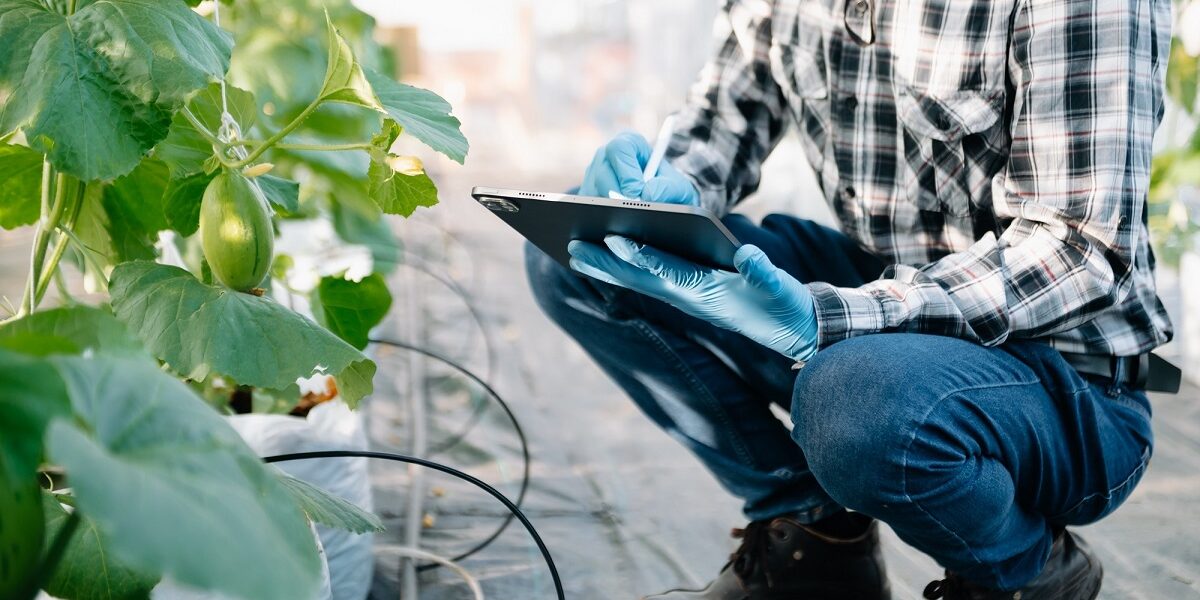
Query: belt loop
[[1119, 376]]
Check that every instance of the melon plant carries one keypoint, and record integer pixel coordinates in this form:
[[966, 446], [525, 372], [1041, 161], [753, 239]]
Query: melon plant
[[153, 155]]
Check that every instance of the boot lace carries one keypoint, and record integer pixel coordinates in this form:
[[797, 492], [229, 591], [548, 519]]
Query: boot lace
[[752, 552]]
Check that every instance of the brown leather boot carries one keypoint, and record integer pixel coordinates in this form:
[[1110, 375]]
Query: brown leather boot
[[1071, 573], [781, 559]]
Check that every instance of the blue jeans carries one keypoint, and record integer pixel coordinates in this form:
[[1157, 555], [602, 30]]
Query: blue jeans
[[973, 455]]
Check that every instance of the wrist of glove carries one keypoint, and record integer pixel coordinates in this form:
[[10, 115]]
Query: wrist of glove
[[619, 167], [758, 300]]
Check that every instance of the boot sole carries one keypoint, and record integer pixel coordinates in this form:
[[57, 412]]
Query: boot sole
[[1094, 589], [1088, 590]]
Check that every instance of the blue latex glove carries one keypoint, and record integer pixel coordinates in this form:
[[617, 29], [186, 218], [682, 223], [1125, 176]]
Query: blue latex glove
[[618, 166], [759, 300]]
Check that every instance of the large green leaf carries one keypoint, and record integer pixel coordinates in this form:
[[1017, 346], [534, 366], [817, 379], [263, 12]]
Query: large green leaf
[[344, 77], [86, 328], [33, 395], [356, 381], [172, 489], [200, 330], [20, 185], [283, 193], [351, 308], [139, 196], [186, 150], [181, 202], [88, 570], [134, 208], [21, 538], [399, 193], [96, 90], [422, 113], [92, 230], [120, 221], [330, 510]]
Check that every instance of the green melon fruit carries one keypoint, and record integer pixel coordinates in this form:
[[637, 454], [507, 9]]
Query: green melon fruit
[[235, 231], [21, 531]]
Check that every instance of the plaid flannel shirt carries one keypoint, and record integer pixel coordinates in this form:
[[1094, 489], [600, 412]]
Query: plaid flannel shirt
[[995, 152]]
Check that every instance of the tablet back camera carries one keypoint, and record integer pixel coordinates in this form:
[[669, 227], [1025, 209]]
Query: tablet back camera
[[499, 204]]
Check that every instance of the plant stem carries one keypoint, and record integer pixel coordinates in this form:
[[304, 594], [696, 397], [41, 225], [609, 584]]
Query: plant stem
[[279, 135], [86, 252], [204, 132], [218, 145], [64, 291], [42, 240], [324, 147], [57, 548], [312, 147], [48, 228], [51, 268], [44, 209]]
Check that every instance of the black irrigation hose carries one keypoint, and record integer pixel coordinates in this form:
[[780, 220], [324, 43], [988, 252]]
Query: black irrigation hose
[[525, 469], [513, 509]]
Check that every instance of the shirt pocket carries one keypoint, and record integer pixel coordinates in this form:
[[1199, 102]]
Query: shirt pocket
[[949, 77], [797, 62], [934, 127], [797, 50]]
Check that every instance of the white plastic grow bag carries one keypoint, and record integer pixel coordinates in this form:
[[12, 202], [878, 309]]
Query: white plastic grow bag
[[329, 426]]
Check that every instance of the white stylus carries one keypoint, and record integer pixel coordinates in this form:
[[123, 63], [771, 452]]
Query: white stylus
[[656, 155], [660, 148]]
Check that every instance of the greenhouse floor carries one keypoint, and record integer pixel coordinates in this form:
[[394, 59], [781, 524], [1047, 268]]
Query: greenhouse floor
[[625, 511]]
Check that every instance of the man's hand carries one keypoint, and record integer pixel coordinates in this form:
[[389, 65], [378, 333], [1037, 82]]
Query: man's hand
[[759, 301], [618, 167]]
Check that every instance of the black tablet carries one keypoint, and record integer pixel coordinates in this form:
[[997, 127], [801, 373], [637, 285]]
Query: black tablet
[[551, 220]]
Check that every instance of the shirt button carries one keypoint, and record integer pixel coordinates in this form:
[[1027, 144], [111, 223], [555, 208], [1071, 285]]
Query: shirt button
[[850, 103], [861, 6], [849, 191]]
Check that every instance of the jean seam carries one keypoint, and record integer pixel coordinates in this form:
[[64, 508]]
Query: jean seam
[[696, 384], [1123, 399], [1136, 472], [908, 447]]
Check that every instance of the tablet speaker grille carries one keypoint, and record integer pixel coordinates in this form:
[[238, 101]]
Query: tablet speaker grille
[[642, 204], [531, 195]]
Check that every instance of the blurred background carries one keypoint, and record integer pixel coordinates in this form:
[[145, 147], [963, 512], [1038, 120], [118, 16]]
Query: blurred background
[[540, 84]]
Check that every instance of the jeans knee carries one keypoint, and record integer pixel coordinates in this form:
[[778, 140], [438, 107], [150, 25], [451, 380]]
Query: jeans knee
[[847, 419]]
